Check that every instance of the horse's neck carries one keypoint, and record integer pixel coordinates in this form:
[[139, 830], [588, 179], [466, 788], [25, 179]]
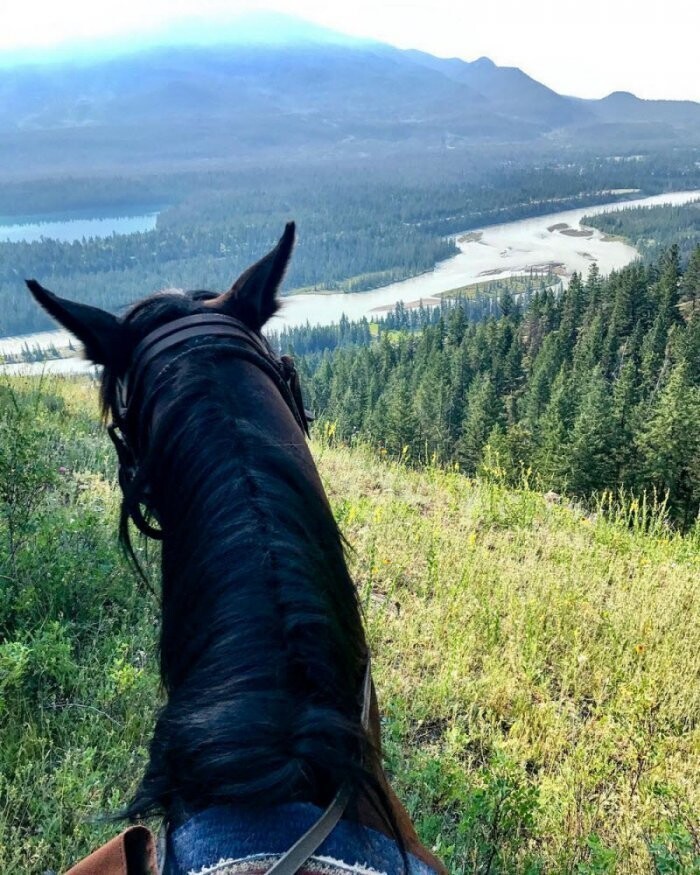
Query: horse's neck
[[262, 648], [223, 530]]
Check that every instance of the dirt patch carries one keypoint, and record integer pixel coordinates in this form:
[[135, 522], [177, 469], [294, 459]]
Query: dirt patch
[[471, 237], [428, 731], [496, 271], [411, 305], [574, 232], [560, 226]]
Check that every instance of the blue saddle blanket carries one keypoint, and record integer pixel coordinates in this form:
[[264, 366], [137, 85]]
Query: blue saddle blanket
[[227, 840]]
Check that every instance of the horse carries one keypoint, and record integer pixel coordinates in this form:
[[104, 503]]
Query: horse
[[266, 756]]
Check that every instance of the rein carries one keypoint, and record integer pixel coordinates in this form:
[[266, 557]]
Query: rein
[[290, 862], [242, 342], [254, 348]]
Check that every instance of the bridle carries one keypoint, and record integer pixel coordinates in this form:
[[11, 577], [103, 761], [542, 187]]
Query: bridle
[[242, 342], [246, 344]]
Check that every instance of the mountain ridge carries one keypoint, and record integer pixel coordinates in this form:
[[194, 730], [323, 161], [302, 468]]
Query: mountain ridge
[[310, 92]]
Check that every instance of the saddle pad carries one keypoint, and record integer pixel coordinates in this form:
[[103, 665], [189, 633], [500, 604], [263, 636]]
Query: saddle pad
[[239, 840], [260, 864]]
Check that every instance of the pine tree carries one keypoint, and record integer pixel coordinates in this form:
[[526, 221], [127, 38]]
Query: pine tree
[[690, 348], [431, 408], [572, 306], [544, 371], [668, 291], [653, 352], [551, 432], [592, 454], [625, 420], [400, 428], [690, 283], [482, 414], [461, 376], [670, 445]]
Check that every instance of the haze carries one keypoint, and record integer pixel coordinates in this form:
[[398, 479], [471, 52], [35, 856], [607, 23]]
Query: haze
[[586, 50]]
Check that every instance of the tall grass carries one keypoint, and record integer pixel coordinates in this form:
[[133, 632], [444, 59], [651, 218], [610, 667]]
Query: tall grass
[[538, 667]]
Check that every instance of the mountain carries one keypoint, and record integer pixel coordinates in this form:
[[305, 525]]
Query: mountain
[[508, 90], [272, 88]]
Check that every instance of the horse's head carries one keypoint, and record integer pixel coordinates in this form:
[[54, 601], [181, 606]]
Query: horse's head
[[137, 350]]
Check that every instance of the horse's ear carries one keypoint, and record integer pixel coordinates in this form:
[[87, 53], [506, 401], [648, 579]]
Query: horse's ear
[[253, 297], [100, 332]]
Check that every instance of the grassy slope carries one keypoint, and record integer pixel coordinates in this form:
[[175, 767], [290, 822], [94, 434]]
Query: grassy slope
[[539, 670]]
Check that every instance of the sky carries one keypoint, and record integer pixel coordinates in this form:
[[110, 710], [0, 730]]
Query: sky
[[587, 48]]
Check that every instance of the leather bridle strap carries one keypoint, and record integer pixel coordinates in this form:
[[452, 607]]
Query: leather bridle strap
[[290, 862], [248, 345]]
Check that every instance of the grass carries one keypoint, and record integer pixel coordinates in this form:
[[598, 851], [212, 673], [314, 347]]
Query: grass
[[538, 668], [516, 285]]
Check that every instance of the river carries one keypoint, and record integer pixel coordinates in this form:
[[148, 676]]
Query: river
[[488, 253]]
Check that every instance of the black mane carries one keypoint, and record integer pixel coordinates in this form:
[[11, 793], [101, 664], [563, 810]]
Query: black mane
[[262, 646]]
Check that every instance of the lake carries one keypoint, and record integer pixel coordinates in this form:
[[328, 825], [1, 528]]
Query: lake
[[69, 230]]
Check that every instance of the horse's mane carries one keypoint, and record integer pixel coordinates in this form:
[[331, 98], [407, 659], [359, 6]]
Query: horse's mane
[[262, 637]]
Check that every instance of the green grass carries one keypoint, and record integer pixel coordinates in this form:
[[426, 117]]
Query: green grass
[[538, 668], [494, 288]]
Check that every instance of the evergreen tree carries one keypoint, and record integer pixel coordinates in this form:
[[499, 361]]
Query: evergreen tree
[[668, 290], [400, 428], [552, 432], [690, 283], [431, 408], [481, 415], [625, 421], [592, 452], [544, 371], [670, 445]]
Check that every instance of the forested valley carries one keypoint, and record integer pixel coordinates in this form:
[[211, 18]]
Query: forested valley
[[358, 228], [594, 392]]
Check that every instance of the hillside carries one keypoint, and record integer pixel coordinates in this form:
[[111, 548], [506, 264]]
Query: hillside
[[537, 666], [305, 94], [595, 389]]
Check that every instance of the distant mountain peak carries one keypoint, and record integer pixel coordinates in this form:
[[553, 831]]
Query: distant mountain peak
[[621, 95], [259, 28], [484, 63]]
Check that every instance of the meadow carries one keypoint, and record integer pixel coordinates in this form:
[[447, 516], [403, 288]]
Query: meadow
[[537, 664]]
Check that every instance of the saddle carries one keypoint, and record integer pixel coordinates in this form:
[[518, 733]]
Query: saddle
[[133, 852]]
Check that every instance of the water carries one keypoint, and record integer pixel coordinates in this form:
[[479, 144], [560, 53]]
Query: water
[[490, 253], [494, 252], [69, 230]]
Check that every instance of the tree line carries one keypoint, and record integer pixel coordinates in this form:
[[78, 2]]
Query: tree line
[[593, 389], [652, 229], [359, 227]]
